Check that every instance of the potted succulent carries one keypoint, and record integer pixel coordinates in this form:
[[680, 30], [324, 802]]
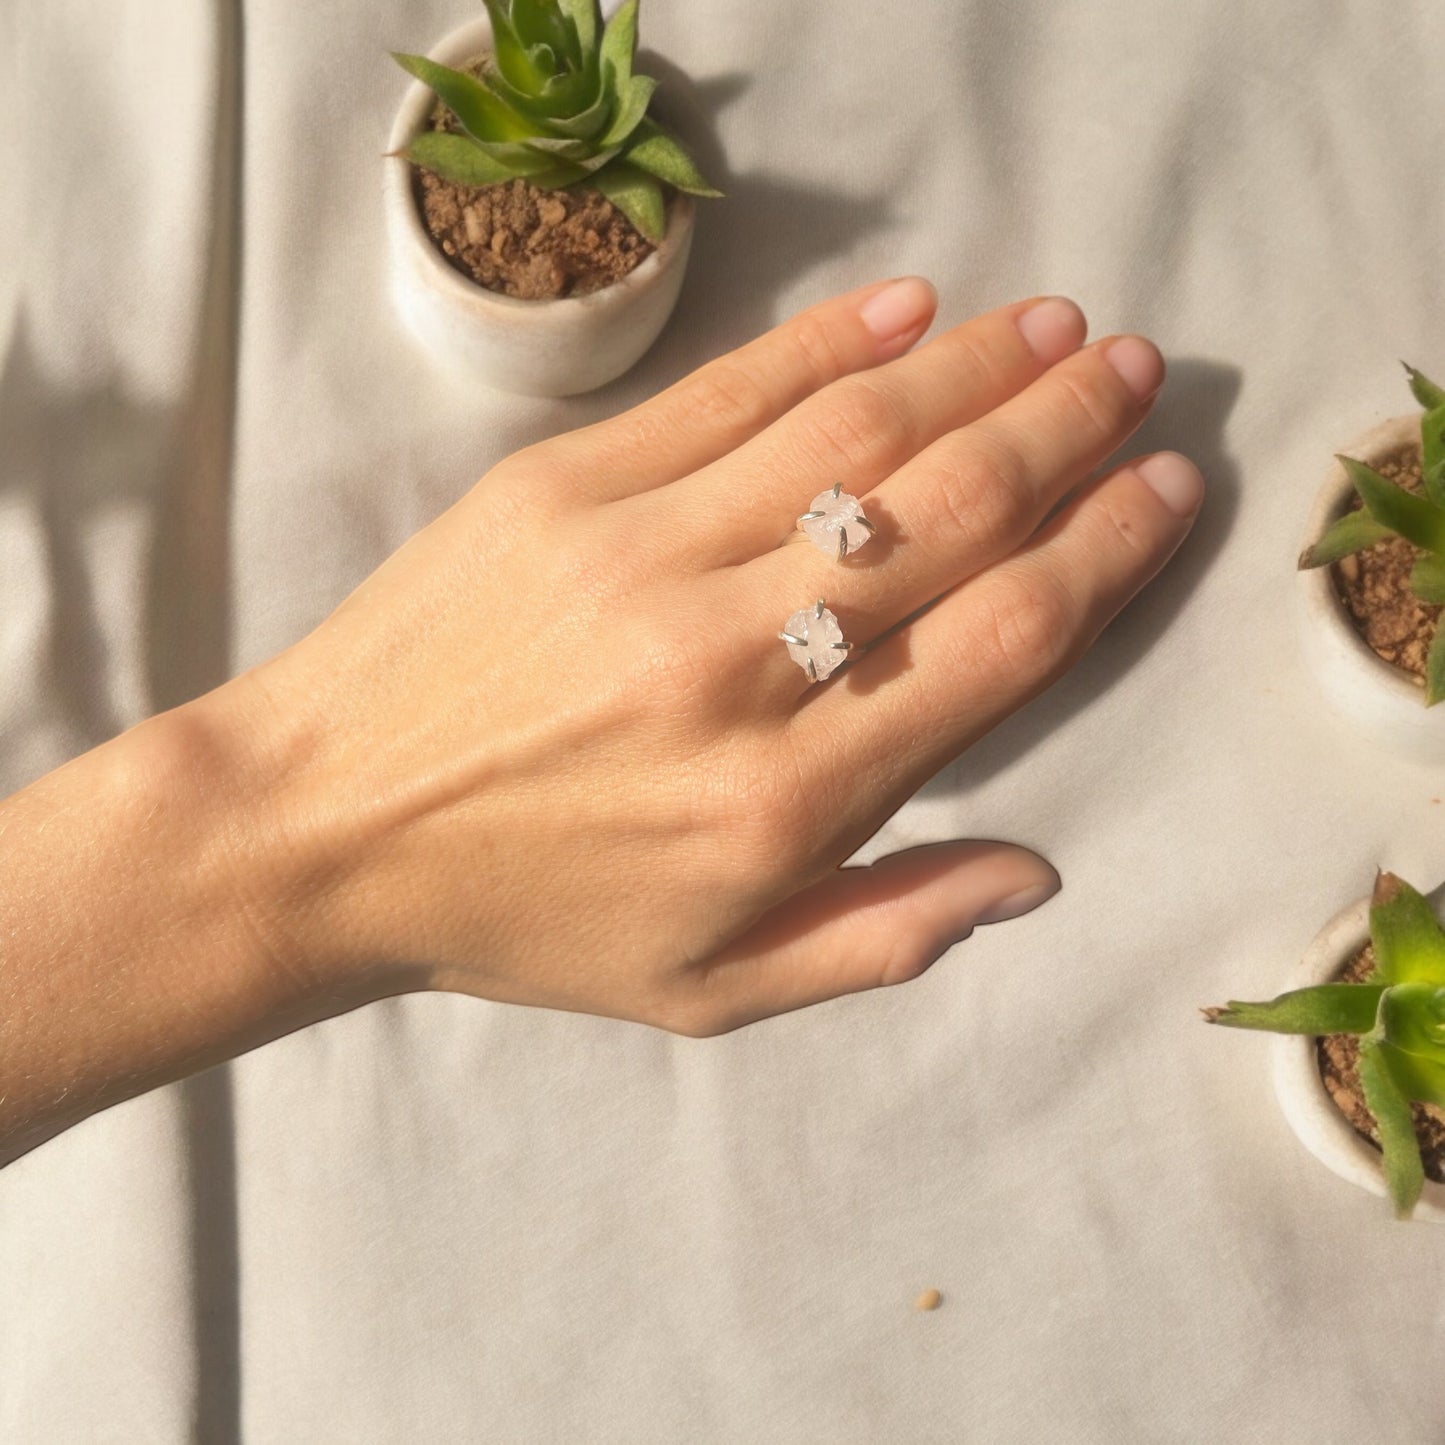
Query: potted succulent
[[1373, 567], [1359, 1064], [539, 215]]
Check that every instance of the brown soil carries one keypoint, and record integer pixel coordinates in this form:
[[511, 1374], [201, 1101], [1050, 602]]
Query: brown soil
[[1374, 585], [526, 242], [1339, 1056]]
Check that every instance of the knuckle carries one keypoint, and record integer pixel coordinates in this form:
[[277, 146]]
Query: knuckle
[[817, 344], [637, 432], [982, 494], [758, 812], [905, 959], [667, 670], [694, 1016], [1084, 407], [727, 395], [856, 422], [517, 493], [1029, 626]]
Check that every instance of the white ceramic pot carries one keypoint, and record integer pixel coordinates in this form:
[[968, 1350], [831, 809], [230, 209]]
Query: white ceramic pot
[[540, 348], [1379, 698], [1312, 1114]]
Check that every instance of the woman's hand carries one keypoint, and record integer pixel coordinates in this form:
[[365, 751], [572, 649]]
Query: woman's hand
[[554, 752]]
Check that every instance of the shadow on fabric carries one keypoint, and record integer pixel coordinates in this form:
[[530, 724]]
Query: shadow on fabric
[[749, 245]]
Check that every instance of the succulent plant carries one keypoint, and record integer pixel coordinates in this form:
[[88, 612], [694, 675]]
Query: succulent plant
[[1398, 1011], [1391, 510], [557, 104]]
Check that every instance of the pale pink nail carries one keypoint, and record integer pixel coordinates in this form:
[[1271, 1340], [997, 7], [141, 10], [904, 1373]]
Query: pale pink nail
[[899, 308], [1138, 362], [1053, 328], [1016, 904], [1175, 480]]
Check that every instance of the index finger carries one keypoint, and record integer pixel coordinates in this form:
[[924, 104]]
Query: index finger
[[722, 404]]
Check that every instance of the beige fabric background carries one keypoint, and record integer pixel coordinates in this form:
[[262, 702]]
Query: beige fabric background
[[445, 1220]]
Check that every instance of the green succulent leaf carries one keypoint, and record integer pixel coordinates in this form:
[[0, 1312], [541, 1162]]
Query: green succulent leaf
[[632, 103], [587, 123], [584, 165], [1386, 1101], [1327, 1008], [563, 148], [519, 65], [619, 43], [482, 112], [1432, 454], [1426, 392], [1427, 578], [1412, 1017], [636, 194], [1408, 939], [1403, 512], [1435, 668], [560, 96], [540, 22], [476, 163], [653, 150], [586, 18], [458, 158], [1418, 1078], [564, 173], [1351, 533]]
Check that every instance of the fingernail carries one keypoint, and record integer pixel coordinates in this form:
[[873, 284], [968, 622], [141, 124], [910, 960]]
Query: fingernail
[[1139, 363], [1019, 903], [1053, 328], [1175, 480], [899, 308]]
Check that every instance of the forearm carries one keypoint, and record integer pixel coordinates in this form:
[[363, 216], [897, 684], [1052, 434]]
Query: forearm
[[140, 893]]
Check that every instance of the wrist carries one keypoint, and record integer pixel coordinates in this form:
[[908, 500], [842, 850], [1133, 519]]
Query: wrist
[[146, 888], [278, 837]]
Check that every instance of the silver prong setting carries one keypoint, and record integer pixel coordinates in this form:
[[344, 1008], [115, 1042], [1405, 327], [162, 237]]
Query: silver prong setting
[[830, 521], [815, 641]]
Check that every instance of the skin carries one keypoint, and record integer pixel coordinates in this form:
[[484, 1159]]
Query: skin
[[552, 752]]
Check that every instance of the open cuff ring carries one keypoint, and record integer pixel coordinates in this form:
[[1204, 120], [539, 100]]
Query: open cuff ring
[[815, 641]]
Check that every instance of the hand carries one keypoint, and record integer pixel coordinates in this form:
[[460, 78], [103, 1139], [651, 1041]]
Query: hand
[[552, 752]]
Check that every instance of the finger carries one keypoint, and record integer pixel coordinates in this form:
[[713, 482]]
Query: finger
[[720, 405], [971, 498], [861, 428], [864, 928], [920, 696]]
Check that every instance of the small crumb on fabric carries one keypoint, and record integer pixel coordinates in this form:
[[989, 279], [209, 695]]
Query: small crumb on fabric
[[930, 1299]]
